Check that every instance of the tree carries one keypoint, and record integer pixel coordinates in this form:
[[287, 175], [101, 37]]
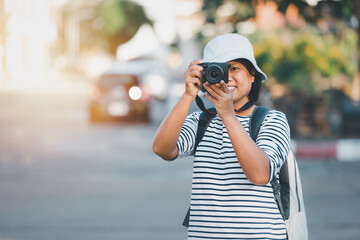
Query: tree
[[122, 19], [331, 11], [107, 24], [328, 16], [225, 14]]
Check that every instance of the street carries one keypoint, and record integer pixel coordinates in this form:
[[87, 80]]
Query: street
[[64, 178]]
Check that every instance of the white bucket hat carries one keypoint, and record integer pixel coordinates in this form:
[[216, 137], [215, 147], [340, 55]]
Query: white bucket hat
[[231, 46]]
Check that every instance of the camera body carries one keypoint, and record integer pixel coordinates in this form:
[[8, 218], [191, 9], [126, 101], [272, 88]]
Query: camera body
[[214, 72]]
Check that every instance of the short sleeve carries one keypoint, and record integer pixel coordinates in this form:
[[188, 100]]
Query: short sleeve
[[186, 140], [274, 140]]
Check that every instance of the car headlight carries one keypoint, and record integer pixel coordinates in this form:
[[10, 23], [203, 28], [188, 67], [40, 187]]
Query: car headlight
[[135, 93]]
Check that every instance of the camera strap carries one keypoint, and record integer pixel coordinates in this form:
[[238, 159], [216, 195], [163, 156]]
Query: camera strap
[[201, 105], [246, 106]]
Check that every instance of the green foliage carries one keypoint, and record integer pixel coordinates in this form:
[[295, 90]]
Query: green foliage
[[209, 9], [122, 19], [106, 24], [239, 10], [293, 58], [114, 18], [343, 9]]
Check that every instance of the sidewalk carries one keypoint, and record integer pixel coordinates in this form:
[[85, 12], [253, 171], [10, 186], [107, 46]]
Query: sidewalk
[[333, 149]]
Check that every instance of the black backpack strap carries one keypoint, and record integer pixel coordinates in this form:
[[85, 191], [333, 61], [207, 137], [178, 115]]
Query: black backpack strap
[[187, 218], [284, 203], [256, 120], [204, 121]]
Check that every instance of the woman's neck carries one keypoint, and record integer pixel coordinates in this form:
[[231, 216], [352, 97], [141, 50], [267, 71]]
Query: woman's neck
[[247, 112], [244, 107]]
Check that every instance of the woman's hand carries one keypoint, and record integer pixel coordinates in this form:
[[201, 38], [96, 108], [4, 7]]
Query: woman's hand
[[221, 97], [193, 78]]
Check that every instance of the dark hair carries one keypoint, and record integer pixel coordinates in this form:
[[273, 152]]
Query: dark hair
[[256, 85]]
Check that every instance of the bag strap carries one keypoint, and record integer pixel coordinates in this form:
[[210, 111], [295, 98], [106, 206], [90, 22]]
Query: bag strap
[[256, 120], [186, 219], [204, 121]]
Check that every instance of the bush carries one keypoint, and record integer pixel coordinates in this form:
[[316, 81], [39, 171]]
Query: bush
[[298, 58]]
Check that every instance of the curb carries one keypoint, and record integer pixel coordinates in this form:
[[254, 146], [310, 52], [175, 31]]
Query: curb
[[340, 150]]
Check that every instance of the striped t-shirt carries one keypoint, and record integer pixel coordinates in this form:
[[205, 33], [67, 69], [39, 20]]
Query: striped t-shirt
[[224, 203]]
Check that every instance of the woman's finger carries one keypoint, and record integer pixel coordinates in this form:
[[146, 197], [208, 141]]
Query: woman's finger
[[210, 97], [211, 90], [224, 87], [195, 63], [218, 89], [195, 73]]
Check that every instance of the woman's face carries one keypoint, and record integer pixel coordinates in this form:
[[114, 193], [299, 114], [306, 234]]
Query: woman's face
[[239, 84]]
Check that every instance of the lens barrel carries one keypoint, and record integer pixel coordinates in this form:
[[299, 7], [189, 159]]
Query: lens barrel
[[214, 72]]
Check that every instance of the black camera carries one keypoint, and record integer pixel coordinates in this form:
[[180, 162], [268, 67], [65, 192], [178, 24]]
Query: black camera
[[214, 72]]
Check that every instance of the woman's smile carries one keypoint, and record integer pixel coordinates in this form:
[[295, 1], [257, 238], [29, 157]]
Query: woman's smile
[[231, 88]]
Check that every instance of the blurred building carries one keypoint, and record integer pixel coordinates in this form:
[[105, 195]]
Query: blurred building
[[30, 29]]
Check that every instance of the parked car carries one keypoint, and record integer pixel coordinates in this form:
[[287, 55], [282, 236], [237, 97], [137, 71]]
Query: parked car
[[124, 91], [350, 116]]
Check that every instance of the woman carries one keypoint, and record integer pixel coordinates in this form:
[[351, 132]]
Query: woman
[[232, 197]]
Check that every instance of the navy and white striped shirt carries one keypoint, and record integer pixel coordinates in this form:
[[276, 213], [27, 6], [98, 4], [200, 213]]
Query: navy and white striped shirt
[[224, 203]]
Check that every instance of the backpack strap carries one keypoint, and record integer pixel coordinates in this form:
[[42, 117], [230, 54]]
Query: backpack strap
[[187, 218], [283, 196], [204, 121], [277, 189], [256, 120]]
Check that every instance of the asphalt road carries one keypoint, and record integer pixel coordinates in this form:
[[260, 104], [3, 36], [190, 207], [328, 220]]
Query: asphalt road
[[63, 178]]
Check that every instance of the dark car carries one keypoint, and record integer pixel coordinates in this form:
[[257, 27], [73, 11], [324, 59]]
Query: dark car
[[120, 93], [350, 118]]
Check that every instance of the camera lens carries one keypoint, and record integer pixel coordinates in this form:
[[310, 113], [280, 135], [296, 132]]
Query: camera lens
[[214, 74]]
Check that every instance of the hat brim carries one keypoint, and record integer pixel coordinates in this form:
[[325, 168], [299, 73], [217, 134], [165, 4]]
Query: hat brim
[[229, 56]]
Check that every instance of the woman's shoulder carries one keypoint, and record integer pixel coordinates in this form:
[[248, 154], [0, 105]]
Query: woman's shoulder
[[270, 114], [275, 117], [276, 113], [194, 116]]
